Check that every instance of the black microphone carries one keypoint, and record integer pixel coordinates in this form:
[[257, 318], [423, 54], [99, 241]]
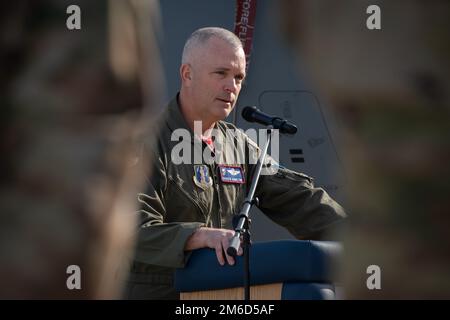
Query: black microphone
[[252, 114]]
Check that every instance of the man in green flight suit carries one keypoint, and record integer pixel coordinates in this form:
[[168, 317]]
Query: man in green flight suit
[[190, 204]]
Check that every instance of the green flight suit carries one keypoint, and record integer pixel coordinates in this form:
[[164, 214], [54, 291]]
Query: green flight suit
[[175, 206]]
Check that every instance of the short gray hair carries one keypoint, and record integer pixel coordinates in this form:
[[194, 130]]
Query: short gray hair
[[201, 36]]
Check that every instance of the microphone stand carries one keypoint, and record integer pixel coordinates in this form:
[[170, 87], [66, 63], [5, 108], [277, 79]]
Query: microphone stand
[[243, 225]]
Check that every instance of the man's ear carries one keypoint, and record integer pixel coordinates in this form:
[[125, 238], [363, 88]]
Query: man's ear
[[186, 74]]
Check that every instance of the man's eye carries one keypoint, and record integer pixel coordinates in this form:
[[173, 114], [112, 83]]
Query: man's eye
[[222, 73]]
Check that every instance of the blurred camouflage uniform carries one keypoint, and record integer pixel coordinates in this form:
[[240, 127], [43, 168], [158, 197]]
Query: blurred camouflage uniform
[[68, 130], [390, 90]]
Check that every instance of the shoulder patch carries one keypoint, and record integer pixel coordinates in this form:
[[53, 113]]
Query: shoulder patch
[[202, 178]]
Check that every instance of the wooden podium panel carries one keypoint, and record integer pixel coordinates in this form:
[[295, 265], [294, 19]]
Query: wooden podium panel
[[261, 292]]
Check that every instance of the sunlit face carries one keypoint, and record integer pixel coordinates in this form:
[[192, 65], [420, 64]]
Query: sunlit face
[[217, 75]]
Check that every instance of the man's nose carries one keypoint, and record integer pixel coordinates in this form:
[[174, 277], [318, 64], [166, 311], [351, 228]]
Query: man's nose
[[231, 85]]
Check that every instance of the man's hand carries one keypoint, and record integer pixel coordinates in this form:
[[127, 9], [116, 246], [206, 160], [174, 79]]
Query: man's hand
[[217, 239]]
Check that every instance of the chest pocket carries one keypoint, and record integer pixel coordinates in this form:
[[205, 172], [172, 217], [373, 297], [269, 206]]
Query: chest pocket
[[205, 197], [232, 196], [182, 202]]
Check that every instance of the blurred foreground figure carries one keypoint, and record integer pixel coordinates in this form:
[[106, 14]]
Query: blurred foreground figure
[[390, 90], [70, 117]]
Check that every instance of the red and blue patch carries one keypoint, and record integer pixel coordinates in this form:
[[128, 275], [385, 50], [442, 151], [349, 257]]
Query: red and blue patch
[[201, 177], [231, 174]]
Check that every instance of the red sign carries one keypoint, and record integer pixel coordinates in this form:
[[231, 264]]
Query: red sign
[[244, 25]]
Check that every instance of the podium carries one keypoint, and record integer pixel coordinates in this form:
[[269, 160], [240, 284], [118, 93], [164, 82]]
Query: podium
[[279, 270]]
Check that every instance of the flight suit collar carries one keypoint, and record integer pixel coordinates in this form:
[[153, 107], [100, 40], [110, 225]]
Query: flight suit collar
[[175, 119]]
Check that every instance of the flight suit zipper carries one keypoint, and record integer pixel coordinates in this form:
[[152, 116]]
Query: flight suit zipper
[[216, 188]]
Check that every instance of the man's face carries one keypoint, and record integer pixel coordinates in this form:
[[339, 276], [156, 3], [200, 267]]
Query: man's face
[[217, 75]]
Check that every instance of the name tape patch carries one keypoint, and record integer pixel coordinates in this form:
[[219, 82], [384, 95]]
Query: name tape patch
[[231, 174]]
